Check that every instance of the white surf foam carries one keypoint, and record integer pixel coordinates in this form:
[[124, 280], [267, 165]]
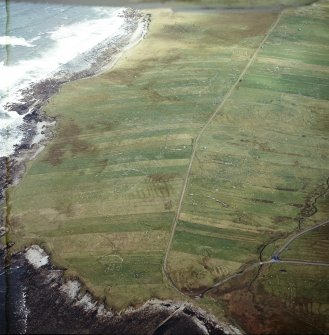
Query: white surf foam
[[9, 132], [14, 41], [70, 41], [22, 310]]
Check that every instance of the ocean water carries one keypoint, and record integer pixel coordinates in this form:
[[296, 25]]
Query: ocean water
[[38, 40]]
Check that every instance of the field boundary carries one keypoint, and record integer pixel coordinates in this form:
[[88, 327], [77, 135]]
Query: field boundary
[[195, 144], [274, 259]]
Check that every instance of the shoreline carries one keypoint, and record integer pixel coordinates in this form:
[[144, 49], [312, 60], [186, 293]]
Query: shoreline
[[39, 131], [38, 94], [72, 302], [44, 277]]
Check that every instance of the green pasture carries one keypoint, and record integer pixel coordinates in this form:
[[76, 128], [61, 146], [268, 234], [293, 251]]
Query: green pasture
[[102, 196], [312, 247], [263, 161], [297, 282]]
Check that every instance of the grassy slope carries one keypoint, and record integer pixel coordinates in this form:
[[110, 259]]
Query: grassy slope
[[102, 196], [311, 247], [263, 160]]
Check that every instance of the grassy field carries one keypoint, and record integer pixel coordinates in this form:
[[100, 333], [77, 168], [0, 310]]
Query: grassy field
[[263, 161], [102, 196], [312, 247]]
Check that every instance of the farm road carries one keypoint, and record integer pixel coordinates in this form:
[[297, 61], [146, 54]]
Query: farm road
[[274, 259], [195, 145]]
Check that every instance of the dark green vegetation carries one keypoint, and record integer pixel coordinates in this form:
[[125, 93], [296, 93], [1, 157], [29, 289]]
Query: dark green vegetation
[[103, 195]]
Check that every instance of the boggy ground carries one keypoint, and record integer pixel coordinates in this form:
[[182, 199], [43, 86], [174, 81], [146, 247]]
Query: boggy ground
[[279, 299]]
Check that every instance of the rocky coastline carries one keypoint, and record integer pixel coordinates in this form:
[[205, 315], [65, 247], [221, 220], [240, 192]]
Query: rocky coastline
[[50, 304], [36, 297], [38, 128]]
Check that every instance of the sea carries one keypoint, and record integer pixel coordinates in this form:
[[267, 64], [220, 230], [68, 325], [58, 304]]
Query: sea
[[38, 40]]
